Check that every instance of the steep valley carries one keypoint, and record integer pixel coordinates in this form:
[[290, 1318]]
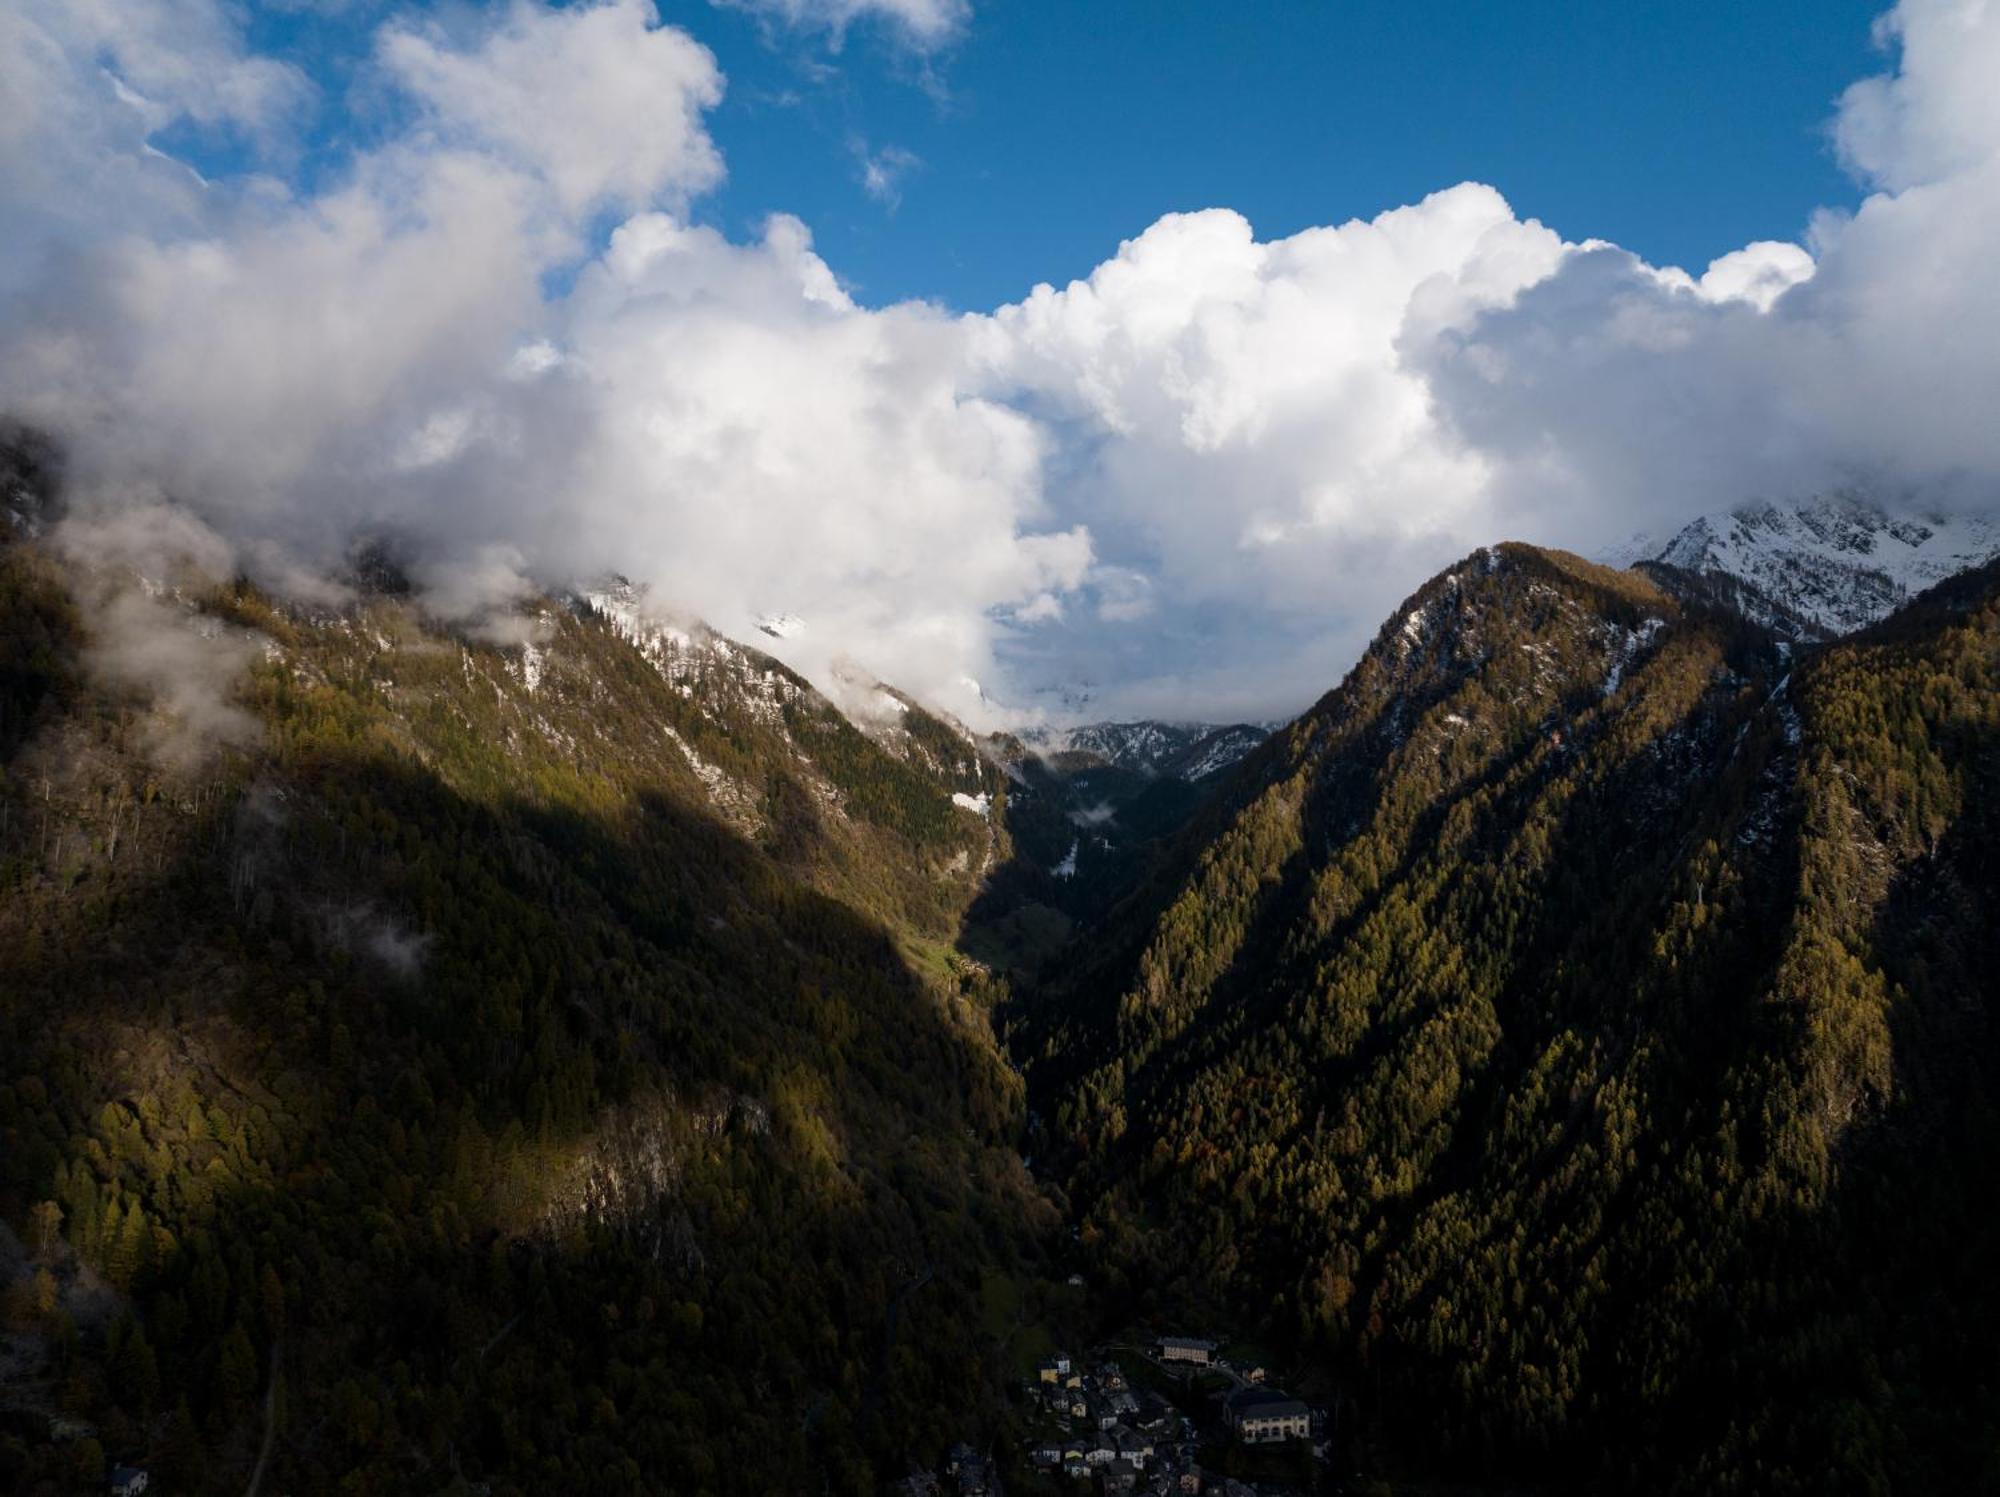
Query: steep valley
[[577, 1055]]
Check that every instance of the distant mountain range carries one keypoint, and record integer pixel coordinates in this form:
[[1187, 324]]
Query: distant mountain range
[[1821, 567], [1175, 750]]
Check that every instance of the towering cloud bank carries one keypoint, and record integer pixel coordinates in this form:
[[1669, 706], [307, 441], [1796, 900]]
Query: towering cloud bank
[[1611, 390], [1194, 480]]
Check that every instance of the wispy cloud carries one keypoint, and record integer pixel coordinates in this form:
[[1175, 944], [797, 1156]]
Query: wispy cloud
[[924, 25], [881, 172]]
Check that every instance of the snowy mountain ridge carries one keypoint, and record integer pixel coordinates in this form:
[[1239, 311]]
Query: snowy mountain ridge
[[1178, 750], [1826, 566]]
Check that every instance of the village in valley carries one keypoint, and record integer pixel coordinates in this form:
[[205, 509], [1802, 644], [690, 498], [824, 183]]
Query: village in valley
[[1163, 1417]]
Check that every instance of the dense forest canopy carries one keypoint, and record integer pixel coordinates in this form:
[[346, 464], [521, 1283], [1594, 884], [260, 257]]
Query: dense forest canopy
[[542, 1068], [1576, 1032]]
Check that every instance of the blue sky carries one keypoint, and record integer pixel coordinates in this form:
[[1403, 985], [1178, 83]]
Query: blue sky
[[1680, 130], [1045, 133]]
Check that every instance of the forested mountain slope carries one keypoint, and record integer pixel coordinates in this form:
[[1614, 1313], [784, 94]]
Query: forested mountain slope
[[452, 1061], [1576, 1032]]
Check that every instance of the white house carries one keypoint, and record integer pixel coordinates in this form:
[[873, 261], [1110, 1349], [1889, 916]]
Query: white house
[[1187, 1349]]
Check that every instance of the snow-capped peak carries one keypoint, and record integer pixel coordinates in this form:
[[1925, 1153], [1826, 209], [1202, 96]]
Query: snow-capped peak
[[1828, 565], [1177, 750]]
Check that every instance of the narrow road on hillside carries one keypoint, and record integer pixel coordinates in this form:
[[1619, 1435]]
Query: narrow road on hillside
[[270, 1423]]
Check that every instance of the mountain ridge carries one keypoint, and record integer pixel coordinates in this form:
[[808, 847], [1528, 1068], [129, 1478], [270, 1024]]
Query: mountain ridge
[[1516, 1019], [1153, 746], [1820, 568]]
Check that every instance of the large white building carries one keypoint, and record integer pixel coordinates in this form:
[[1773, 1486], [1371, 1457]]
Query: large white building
[[1186, 1349], [1264, 1416]]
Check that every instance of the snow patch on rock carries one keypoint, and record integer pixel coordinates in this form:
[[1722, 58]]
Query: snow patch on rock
[[1828, 565]]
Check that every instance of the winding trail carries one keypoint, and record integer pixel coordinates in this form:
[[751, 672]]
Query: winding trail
[[270, 1423]]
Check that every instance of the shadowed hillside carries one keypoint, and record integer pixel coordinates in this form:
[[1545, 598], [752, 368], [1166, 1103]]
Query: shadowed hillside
[[538, 1067]]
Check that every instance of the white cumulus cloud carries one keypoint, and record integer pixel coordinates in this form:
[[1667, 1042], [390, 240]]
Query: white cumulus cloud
[[1258, 455], [1191, 483], [599, 102]]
